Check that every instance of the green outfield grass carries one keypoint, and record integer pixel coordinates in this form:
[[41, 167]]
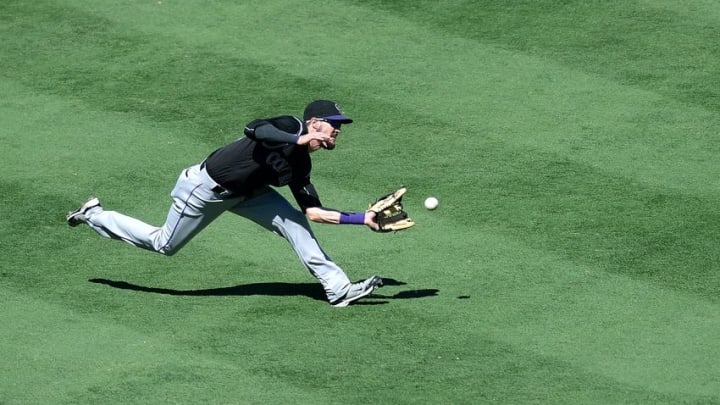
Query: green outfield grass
[[573, 146]]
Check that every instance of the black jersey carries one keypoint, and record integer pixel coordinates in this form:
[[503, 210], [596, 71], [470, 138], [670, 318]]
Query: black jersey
[[266, 155]]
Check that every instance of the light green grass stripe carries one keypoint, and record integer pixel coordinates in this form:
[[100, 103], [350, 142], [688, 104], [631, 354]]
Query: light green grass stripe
[[53, 354], [701, 11]]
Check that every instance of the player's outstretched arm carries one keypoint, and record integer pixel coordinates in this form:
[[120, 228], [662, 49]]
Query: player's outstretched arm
[[323, 216]]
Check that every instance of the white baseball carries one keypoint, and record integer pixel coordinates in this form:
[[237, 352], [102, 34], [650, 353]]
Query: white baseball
[[431, 203]]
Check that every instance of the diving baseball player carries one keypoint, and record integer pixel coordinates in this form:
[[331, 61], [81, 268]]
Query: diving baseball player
[[239, 178]]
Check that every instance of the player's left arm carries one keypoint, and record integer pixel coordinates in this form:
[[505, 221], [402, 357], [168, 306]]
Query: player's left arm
[[308, 200]]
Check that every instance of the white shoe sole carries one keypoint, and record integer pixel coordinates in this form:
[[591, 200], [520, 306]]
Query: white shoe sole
[[74, 217], [346, 301]]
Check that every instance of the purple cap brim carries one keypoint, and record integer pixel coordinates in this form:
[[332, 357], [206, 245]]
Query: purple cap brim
[[339, 118]]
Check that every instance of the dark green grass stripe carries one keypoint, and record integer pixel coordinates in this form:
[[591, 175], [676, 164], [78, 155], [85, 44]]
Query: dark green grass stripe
[[629, 42]]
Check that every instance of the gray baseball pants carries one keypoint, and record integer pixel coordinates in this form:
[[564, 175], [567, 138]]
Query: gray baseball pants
[[195, 206]]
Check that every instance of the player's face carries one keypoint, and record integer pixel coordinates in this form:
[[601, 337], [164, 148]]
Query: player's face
[[330, 128]]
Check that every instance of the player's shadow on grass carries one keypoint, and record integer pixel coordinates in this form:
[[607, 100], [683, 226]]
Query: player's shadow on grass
[[311, 290]]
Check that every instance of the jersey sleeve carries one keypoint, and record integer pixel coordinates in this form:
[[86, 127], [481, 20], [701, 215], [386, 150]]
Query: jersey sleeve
[[305, 195], [284, 129]]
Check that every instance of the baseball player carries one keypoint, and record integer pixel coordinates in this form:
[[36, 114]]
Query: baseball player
[[239, 178]]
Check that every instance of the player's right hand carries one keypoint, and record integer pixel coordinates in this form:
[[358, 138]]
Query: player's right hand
[[312, 136]]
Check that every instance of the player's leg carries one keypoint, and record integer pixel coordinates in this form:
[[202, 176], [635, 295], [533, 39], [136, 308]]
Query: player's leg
[[194, 207], [272, 211]]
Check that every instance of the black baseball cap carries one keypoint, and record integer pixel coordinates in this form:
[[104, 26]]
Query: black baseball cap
[[326, 109]]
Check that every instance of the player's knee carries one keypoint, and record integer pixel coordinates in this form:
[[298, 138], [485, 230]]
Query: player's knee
[[315, 258]]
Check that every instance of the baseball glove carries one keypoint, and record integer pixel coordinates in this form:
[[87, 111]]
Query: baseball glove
[[391, 215]]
